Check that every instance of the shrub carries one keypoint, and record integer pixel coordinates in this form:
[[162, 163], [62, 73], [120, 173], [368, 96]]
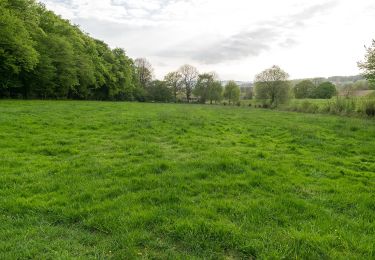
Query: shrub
[[342, 106], [368, 107], [325, 90]]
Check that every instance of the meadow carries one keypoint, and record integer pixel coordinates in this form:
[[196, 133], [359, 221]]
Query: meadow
[[107, 180]]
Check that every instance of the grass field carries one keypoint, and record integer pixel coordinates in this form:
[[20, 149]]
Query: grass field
[[129, 180]]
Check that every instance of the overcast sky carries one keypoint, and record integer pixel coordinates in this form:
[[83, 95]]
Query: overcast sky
[[235, 38]]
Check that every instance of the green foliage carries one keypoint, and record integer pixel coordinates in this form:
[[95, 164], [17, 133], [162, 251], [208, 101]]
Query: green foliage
[[341, 106], [144, 72], [232, 92], [304, 89], [108, 180], [17, 52], [189, 77], [272, 85], [360, 106], [173, 81], [158, 91], [368, 65], [368, 107], [325, 90], [216, 92], [208, 88], [44, 56], [361, 85]]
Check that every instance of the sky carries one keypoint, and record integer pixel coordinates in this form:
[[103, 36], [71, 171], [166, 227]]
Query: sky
[[235, 38]]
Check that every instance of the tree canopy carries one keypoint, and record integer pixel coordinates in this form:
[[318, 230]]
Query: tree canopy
[[325, 90], [304, 89], [208, 88], [44, 56], [272, 85], [232, 92], [368, 65], [189, 76]]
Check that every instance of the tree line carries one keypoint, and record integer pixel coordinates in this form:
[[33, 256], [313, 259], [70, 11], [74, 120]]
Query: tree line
[[45, 56]]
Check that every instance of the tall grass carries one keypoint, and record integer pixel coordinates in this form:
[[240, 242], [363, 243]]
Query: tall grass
[[338, 106], [111, 180]]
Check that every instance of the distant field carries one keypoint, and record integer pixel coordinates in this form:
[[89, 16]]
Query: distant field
[[132, 180]]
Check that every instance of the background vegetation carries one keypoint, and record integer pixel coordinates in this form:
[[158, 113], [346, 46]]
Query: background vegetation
[[44, 56]]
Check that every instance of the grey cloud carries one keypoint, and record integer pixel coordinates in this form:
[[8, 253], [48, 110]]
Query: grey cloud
[[149, 11], [289, 42], [314, 10], [251, 43]]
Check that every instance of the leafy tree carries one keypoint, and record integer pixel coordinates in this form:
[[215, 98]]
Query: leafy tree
[[159, 91], [272, 84], [304, 89], [247, 92], [203, 86], [44, 56], [173, 81], [17, 53], [208, 88], [368, 65], [189, 76], [144, 71], [361, 85], [216, 92], [325, 90], [232, 92], [348, 90]]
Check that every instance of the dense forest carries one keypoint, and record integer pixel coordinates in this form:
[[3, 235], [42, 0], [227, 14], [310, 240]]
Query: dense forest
[[45, 56]]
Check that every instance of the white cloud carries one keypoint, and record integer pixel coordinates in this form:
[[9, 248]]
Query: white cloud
[[236, 38]]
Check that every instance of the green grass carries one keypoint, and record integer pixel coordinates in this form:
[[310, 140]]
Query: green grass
[[163, 181]]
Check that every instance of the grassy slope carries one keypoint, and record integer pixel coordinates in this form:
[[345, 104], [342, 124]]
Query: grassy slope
[[126, 180]]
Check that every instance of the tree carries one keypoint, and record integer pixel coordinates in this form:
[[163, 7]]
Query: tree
[[325, 90], [368, 65], [272, 84], [158, 91], [348, 90], [208, 88], [216, 92], [17, 52], [144, 71], [361, 85], [173, 81], [189, 75], [203, 86], [232, 92], [247, 92], [45, 56], [304, 89]]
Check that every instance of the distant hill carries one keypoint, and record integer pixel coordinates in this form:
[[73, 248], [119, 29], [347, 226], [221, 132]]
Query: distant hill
[[244, 84], [337, 80]]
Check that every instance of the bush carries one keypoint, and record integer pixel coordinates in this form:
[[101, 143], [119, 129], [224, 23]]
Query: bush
[[342, 106], [368, 107], [325, 90], [309, 107]]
